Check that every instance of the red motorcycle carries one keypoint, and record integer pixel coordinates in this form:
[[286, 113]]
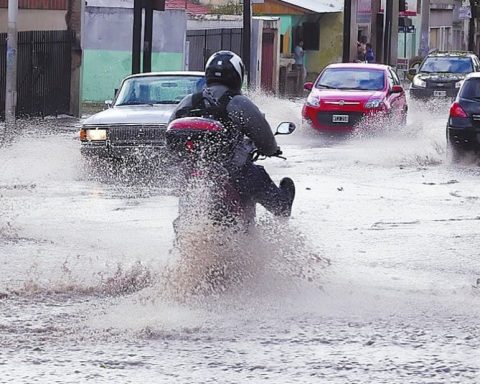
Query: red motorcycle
[[206, 188]]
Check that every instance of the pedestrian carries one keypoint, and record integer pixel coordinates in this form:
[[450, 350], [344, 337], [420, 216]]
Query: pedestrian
[[369, 55], [298, 56], [361, 48]]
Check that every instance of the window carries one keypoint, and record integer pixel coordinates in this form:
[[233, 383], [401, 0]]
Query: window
[[441, 38], [352, 78], [471, 89], [311, 36], [158, 89], [446, 64]]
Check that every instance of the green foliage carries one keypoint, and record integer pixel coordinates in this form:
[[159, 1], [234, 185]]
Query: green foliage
[[231, 8]]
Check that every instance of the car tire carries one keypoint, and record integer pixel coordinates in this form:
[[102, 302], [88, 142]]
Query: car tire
[[414, 63], [454, 153]]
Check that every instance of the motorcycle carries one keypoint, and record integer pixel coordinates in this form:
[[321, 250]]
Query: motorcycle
[[207, 190]]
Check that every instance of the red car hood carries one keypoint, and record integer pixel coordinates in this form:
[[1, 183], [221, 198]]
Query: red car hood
[[347, 95]]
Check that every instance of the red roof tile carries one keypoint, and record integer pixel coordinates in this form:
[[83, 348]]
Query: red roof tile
[[188, 5]]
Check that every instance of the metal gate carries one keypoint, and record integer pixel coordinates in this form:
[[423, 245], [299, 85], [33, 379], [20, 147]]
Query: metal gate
[[202, 43], [43, 72]]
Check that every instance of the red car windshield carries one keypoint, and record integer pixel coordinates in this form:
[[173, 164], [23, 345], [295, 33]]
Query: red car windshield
[[352, 78]]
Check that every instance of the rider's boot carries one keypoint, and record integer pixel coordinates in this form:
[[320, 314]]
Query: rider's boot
[[288, 188]]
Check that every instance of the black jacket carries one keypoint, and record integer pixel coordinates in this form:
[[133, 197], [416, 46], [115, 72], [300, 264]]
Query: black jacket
[[246, 118]]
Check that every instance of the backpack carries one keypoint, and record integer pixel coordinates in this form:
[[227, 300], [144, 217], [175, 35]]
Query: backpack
[[200, 109], [225, 142]]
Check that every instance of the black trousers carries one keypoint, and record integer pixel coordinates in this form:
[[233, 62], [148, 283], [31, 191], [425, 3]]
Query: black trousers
[[253, 182]]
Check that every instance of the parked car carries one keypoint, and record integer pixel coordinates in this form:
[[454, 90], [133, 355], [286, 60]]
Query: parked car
[[136, 119], [346, 95], [463, 127], [440, 74]]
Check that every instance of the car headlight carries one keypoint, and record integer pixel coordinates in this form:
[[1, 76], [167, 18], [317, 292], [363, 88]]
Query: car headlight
[[93, 134], [374, 103], [458, 84], [417, 82], [313, 100]]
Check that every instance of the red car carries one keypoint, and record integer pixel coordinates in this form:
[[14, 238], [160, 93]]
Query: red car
[[346, 95]]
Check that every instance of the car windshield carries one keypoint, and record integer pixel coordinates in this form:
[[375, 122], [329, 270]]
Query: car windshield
[[447, 65], [158, 89], [471, 89], [352, 78]]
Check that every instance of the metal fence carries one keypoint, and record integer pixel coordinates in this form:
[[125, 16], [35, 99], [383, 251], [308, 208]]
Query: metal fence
[[202, 43], [43, 72]]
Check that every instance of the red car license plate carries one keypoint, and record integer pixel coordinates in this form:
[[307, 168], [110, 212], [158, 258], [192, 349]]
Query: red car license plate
[[340, 118]]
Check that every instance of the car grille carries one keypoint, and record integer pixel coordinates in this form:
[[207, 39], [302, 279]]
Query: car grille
[[137, 134], [325, 118], [441, 85]]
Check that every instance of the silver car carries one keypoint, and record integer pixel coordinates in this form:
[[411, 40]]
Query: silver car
[[135, 122]]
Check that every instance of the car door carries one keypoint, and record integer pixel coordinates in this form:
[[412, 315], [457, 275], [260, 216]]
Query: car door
[[397, 101]]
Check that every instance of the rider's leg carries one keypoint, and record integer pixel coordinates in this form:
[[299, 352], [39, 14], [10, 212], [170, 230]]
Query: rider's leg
[[255, 182]]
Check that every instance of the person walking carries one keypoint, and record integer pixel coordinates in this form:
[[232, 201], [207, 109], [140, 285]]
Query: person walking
[[298, 56], [361, 48], [369, 55]]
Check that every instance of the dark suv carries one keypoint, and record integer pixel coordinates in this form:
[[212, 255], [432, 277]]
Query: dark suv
[[463, 127], [440, 74]]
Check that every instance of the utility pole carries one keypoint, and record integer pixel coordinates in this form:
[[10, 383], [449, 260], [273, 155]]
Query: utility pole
[[471, 26], [11, 80], [137, 35], [375, 9], [148, 37], [387, 37], [425, 32], [347, 21], [138, 6], [247, 37]]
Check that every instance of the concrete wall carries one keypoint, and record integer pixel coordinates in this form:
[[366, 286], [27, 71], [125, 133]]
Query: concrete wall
[[331, 43], [214, 22], [107, 45], [35, 20], [219, 2]]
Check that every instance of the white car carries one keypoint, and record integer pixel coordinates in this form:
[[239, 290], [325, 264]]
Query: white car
[[136, 120]]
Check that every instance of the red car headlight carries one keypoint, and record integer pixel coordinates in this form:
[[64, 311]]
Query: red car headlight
[[374, 104], [313, 100]]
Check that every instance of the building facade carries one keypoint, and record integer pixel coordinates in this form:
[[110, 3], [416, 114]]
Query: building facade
[[107, 45], [35, 15], [318, 23]]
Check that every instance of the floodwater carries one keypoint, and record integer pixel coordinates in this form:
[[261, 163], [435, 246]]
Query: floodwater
[[373, 280]]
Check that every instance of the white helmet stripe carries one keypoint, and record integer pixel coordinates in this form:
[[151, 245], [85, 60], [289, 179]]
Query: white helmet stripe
[[237, 64]]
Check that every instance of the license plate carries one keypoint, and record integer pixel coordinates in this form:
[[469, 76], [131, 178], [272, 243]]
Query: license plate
[[340, 118], [439, 93]]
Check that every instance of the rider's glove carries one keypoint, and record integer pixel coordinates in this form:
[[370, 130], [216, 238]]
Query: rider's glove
[[278, 152]]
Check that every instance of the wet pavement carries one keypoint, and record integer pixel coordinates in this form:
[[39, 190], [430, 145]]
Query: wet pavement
[[373, 280]]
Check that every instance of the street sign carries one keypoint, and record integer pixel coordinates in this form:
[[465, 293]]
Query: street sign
[[464, 12], [402, 64], [406, 29]]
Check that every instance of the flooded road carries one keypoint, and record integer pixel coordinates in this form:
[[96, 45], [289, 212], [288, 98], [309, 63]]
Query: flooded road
[[374, 279]]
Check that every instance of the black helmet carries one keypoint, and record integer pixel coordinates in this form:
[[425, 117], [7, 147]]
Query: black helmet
[[226, 68]]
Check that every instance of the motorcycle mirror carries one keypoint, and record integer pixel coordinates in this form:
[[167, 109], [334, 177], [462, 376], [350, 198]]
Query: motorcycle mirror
[[285, 128]]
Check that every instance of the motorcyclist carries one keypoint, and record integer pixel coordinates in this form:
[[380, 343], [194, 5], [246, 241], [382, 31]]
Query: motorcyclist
[[222, 99]]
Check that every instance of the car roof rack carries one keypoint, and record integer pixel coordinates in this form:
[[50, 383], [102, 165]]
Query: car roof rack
[[450, 52]]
